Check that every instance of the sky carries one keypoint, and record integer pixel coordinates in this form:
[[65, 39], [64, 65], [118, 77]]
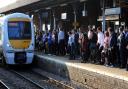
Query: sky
[[4, 3]]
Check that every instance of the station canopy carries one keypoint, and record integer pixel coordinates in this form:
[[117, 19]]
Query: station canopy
[[10, 6], [7, 5]]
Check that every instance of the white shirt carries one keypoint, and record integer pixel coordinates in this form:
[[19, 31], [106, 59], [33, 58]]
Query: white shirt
[[60, 36], [100, 38], [90, 34], [71, 40]]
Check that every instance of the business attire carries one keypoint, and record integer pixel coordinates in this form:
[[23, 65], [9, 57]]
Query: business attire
[[71, 43], [126, 39], [113, 50], [61, 43], [122, 49]]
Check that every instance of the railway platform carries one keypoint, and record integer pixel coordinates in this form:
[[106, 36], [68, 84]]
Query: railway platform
[[94, 76]]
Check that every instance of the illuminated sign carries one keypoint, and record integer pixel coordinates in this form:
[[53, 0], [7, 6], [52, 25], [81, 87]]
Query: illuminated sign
[[64, 16], [109, 17], [13, 24], [84, 13], [113, 11]]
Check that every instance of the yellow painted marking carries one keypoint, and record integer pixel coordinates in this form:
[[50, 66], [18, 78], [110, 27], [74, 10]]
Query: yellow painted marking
[[20, 44], [19, 19]]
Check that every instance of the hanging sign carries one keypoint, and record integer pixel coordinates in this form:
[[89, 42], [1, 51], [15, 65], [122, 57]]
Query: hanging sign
[[64, 16]]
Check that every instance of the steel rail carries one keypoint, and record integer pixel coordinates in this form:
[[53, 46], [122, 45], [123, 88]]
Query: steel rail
[[3, 85], [54, 81], [41, 87]]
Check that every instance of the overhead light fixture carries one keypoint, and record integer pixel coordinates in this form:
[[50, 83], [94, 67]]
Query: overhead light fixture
[[63, 4], [117, 23], [36, 10], [48, 8], [82, 0]]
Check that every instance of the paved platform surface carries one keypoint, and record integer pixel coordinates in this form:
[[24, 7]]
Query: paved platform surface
[[111, 78]]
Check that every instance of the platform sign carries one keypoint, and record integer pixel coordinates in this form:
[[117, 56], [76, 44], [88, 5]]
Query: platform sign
[[13, 24], [64, 16], [113, 11], [84, 13]]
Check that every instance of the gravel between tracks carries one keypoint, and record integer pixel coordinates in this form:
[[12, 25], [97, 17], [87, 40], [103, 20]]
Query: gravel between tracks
[[65, 81], [41, 80]]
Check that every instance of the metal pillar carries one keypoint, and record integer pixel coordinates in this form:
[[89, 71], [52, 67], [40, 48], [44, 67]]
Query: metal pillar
[[103, 17], [40, 22], [75, 20], [54, 21], [75, 14]]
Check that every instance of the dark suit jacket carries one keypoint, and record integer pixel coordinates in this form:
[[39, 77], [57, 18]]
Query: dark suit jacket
[[113, 40]]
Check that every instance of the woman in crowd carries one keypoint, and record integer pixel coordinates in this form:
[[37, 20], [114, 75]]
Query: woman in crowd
[[85, 48], [81, 36], [104, 53]]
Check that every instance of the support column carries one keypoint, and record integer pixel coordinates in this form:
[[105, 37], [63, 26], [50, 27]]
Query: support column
[[54, 20], [40, 21], [75, 15], [75, 20], [103, 16]]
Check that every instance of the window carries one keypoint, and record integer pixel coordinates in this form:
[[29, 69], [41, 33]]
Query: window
[[19, 30], [0, 34]]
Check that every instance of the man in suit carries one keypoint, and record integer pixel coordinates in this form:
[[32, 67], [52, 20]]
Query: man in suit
[[126, 39], [122, 48], [113, 47]]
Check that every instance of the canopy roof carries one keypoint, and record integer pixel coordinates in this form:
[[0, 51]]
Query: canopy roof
[[10, 6], [7, 5]]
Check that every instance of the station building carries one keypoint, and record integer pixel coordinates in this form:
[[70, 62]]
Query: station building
[[48, 14]]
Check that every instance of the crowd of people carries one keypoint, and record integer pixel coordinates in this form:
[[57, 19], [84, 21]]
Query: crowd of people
[[92, 45]]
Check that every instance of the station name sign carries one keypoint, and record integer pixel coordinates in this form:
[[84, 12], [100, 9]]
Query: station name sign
[[113, 11]]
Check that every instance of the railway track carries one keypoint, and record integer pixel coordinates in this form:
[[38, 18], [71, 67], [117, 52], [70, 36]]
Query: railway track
[[36, 79], [3, 85], [41, 81], [28, 79], [55, 82]]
